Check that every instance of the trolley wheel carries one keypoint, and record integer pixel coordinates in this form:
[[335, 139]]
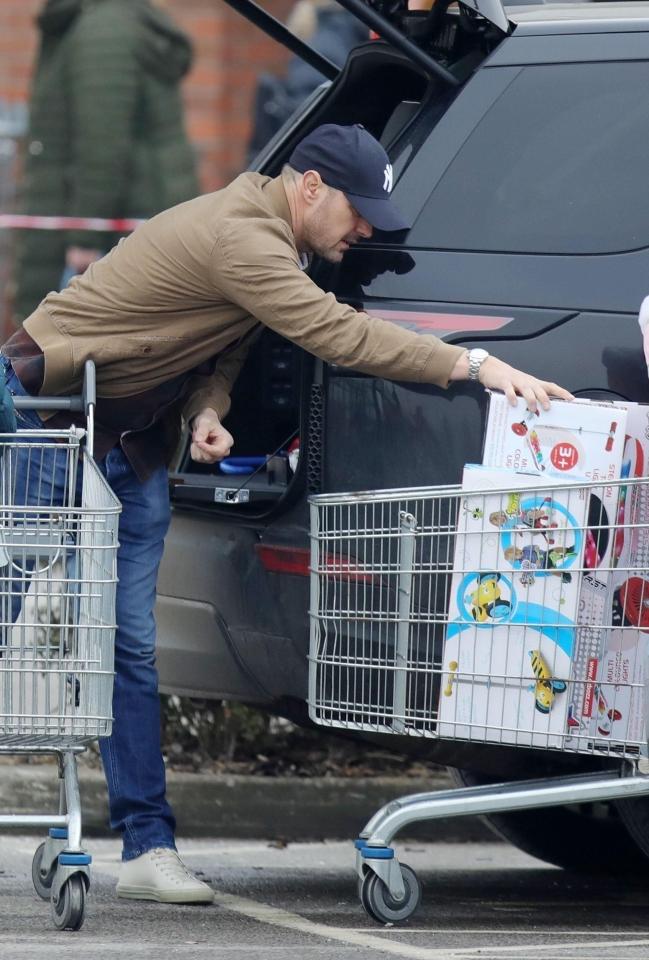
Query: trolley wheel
[[367, 901], [42, 881], [381, 905], [68, 911]]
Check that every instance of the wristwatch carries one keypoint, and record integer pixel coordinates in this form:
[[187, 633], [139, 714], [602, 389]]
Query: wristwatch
[[477, 357]]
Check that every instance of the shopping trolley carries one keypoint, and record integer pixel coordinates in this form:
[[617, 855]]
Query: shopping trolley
[[57, 606], [511, 616]]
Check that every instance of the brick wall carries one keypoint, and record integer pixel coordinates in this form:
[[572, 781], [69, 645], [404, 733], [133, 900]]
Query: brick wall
[[229, 54]]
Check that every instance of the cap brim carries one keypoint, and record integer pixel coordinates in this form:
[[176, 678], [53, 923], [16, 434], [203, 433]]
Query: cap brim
[[380, 212]]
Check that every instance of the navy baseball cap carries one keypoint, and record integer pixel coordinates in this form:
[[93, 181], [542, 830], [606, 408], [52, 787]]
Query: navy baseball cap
[[348, 158]]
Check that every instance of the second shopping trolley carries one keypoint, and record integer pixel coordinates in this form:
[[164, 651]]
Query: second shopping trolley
[[511, 616], [58, 575]]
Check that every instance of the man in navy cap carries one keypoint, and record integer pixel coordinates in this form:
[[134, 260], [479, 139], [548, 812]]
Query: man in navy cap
[[351, 162], [168, 317]]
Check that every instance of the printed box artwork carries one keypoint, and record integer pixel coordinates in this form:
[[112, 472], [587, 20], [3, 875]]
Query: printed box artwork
[[545, 644], [613, 707], [581, 440], [514, 602]]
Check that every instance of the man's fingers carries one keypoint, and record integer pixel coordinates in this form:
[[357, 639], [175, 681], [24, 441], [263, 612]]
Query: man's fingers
[[211, 449], [554, 390]]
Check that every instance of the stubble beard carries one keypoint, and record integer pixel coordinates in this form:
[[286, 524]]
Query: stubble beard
[[318, 241]]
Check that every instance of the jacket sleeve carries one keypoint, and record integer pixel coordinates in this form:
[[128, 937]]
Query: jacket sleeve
[[214, 391], [103, 82], [255, 266]]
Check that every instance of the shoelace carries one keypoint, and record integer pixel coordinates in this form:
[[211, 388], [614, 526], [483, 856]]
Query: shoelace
[[172, 866]]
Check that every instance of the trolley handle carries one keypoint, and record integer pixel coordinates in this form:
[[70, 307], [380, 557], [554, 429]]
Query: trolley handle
[[85, 402]]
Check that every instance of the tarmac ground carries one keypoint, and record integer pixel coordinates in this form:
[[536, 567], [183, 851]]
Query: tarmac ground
[[481, 900]]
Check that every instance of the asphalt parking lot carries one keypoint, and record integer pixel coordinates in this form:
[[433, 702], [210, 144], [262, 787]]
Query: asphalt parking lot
[[486, 901]]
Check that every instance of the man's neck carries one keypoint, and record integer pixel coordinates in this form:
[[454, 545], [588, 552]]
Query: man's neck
[[297, 222]]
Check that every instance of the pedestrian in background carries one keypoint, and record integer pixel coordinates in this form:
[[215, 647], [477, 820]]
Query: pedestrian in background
[[106, 134], [332, 31]]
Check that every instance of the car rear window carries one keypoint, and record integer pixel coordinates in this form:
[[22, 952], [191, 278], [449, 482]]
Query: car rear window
[[559, 164]]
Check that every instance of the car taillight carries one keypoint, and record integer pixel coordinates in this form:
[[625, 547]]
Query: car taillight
[[297, 560]]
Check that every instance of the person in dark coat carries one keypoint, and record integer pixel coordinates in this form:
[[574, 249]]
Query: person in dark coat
[[330, 30], [106, 135]]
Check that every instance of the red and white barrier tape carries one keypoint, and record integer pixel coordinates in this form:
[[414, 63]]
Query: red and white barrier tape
[[26, 222]]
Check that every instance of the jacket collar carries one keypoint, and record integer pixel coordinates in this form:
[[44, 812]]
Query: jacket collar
[[276, 194]]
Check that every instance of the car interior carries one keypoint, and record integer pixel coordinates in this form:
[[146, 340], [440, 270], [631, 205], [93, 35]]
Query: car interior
[[272, 399]]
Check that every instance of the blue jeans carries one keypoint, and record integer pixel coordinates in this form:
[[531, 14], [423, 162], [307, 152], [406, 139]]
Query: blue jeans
[[132, 755]]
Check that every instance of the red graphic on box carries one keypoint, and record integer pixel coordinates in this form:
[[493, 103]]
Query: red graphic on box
[[564, 456]]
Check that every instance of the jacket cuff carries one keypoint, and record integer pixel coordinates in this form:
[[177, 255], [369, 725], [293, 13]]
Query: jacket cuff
[[440, 362]]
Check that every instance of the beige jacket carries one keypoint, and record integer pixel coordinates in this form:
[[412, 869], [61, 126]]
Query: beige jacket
[[191, 283]]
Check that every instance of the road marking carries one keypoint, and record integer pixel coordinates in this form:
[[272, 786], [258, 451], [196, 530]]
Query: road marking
[[510, 933], [278, 917]]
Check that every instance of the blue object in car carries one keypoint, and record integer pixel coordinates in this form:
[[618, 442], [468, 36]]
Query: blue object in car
[[241, 465]]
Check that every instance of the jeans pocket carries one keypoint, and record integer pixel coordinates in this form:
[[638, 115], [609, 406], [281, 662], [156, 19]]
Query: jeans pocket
[[26, 419]]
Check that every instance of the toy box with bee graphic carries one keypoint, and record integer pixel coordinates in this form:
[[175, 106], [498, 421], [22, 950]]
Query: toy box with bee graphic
[[513, 609]]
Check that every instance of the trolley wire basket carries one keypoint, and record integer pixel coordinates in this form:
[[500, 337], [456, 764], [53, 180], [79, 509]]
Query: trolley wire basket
[[57, 594], [515, 616], [58, 576]]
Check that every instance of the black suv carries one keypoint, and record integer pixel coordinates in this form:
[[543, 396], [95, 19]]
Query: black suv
[[520, 145]]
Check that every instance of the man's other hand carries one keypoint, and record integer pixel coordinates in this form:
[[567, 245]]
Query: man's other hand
[[497, 375], [210, 440]]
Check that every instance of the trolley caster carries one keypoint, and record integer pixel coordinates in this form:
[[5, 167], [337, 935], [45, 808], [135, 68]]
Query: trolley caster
[[42, 876], [45, 861], [68, 907], [379, 903]]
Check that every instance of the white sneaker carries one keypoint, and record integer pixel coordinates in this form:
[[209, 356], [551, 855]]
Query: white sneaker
[[161, 875]]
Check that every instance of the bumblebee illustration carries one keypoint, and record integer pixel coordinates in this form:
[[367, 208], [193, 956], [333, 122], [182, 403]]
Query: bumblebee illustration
[[487, 602], [546, 687], [476, 513]]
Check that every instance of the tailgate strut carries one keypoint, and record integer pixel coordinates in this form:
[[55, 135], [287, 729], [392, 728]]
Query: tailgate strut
[[363, 12]]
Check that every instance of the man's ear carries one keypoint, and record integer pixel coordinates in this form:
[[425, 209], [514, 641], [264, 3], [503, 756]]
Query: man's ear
[[312, 185]]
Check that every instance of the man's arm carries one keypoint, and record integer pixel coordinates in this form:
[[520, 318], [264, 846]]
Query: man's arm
[[256, 268], [209, 401]]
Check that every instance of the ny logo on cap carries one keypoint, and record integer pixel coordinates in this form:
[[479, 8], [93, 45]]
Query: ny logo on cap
[[387, 173]]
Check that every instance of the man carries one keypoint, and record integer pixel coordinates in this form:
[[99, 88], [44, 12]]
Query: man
[[168, 317]]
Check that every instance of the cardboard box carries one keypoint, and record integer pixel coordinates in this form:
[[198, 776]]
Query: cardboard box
[[513, 609], [580, 440], [602, 649], [611, 709]]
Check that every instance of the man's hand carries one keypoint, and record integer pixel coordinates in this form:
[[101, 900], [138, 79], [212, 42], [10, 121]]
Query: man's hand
[[210, 440], [497, 375]]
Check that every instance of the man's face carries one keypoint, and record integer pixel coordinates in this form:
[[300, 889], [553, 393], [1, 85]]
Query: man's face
[[332, 225]]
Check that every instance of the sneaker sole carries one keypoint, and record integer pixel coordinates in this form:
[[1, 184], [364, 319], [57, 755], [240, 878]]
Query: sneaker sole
[[163, 896]]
